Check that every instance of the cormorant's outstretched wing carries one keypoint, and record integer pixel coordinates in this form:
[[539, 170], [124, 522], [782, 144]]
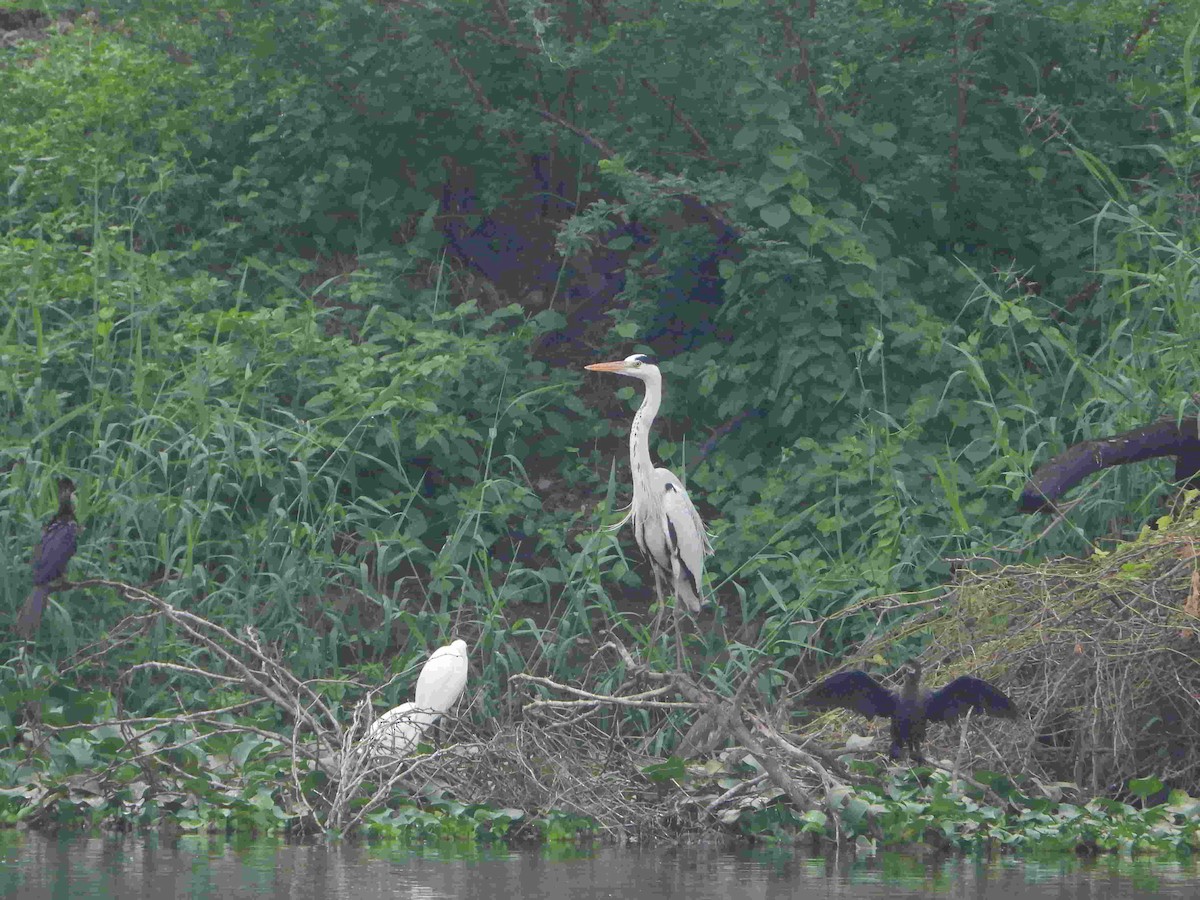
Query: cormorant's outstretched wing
[[953, 700], [854, 690]]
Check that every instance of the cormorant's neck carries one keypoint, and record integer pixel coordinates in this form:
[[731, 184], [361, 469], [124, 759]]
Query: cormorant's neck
[[911, 690], [66, 509]]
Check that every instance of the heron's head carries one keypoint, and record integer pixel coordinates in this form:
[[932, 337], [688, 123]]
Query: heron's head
[[637, 366]]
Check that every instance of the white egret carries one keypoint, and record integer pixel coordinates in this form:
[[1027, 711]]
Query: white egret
[[666, 525], [440, 684], [443, 678]]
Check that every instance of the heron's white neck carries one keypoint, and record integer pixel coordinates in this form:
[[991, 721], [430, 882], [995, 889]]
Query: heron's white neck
[[639, 432]]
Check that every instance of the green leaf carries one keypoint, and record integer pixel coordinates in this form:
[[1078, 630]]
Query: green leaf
[[800, 205], [745, 138], [671, 770], [784, 157], [1144, 787], [788, 130], [854, 811], [850, 250], [775, 214], [627, 330]]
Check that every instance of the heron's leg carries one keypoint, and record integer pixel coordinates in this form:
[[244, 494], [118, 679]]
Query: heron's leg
[[678, 636], [662, 603]]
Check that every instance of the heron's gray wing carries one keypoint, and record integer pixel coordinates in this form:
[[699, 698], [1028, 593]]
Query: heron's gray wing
[[686, 541], [961, 694], [680, 498], [854, 690]]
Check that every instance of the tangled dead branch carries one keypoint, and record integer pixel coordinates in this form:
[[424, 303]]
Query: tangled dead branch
[[356, 783], [698, 809]]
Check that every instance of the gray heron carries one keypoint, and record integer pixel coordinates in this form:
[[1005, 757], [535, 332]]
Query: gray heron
[[666, 526]]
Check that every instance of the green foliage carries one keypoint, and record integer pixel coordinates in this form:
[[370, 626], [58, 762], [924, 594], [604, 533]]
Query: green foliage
[[960, 390], [208, 782], [445, 820], [922, 807], [228, 312], [560, 827], [672, 769], [234, 427]]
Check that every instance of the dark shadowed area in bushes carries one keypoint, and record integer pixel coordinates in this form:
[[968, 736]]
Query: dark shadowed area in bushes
[[299, 294]]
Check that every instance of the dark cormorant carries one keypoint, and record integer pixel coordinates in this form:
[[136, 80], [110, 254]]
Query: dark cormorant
[[50, 558], [910, 708]]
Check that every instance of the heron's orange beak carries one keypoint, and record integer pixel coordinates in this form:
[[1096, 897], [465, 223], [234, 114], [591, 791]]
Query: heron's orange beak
[[617, 366]]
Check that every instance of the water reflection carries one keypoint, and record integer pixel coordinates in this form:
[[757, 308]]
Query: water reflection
[[33, 866]]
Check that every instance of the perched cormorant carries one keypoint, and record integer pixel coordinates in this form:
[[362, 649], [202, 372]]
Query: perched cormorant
[[910, 708], [50, 558]]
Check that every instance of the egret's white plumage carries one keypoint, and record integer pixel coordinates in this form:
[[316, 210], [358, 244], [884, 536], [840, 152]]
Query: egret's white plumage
[[440, 684], [665, 523], [397, 731], [443, 678]]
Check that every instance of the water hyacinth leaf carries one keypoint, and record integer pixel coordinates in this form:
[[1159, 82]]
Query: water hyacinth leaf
[[1144, 787], [854, 811], [865, 767], [247, 745], [672, 769], [814, 820]]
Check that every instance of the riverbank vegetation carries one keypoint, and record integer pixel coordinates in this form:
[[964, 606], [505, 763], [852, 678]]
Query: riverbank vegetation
[[299, 295]]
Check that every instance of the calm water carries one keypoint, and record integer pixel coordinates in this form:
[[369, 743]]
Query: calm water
[[124, 867]]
